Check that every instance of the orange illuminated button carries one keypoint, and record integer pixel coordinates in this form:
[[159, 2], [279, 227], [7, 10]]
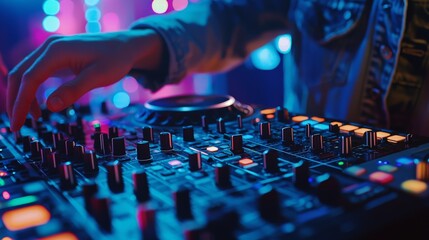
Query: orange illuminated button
[[212, 149], [348, 128], [339, 124], [62, 236], [381, 135], [396, 138], [361, 131], [414, 186], [318, 119], [26, 217], [299, 119], [245, 161], [355, 171], [268, 111], [381, 177]]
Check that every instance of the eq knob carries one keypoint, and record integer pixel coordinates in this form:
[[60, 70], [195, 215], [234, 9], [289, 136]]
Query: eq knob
[[265, 130], [143, 151], [188, 133], [147, 133], [316, 141], [221, 125], [287, 135], [301, 174], [370, 139], [141, 185], [269, 206], [237, 144], [118, 146], [90, 163], [346, 145], [328, 189], [182, 200], [114, 177], [222, 176], [195, 163], [270, 158], [165, 141], [67, 177]]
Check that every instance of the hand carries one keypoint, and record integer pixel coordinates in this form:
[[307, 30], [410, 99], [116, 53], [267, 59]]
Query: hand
[[97, 60]]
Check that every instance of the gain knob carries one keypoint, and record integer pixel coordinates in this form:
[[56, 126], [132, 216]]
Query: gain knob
[[114, 176], [26, 141], [79, 152], [44, 153], [143, 151], [282, 114], [239, 121], [147, 134], [165, 141], [204, 123]]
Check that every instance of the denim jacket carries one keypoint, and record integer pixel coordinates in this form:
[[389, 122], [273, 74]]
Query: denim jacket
[[353, 60]]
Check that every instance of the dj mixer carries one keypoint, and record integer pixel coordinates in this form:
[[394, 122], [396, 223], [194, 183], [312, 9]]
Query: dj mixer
[[209, 167]]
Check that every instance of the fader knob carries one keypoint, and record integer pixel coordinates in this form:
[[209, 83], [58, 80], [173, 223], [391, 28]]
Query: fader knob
[[188, 133], [182, 200], [370, 139], [114, 176], [146, 218], [118, 146], [90, 162], [143, 151], [316, 141], [237, 144], [346, 145], [165, 141], [147, 134], [422, 171], [269, 207], [301, 174], [195, 163], [265, 130], [35, 147], [68, 180], [222, 176], [287, 135], [141, 185], [100, 208], [270, 158], [221, 125], [328, 189], [89, 190]]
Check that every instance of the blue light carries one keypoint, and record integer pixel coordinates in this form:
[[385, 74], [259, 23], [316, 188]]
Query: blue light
[[265, 58], [51, 23], [91, 2], [284, 43], [51, 7], [93, 14], [121, 100], [93, 27]]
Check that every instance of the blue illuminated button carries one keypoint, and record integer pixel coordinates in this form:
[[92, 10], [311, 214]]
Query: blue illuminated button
[[387, 168], [404, 161], [381, 177], [414, 186], [355, 171]]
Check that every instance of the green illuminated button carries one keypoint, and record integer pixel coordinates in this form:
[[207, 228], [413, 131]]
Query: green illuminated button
[[355, 171], [414, 186], [388, 168], [381, 177]]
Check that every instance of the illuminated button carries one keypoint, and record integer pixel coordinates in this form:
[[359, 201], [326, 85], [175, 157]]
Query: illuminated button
[[3, 173], [62, 236], [355, 171], [396, 138], [311, 122], [381, 177], [347, 128], [299, 119], [26, 217], [414, 186], [359, 132], [318, 119], [245, 161], [175, 163], [268, 111], [381, 135], [387, 168], [212, 149], [321, 126], [339, 124], [404, 161]]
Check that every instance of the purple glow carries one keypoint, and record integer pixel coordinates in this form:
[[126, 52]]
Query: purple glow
[[179, 5], [130, 84], [111, 22]]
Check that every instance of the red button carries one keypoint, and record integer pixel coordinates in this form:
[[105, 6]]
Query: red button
[[381, 177]]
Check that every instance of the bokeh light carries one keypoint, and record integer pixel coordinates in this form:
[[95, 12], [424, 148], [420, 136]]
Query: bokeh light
[[179, 5], [51, 23], [93, 14], [91, 2], [121, 100], [51, 7], [159, 6], [284, 43], [93, 27], [130, 84], [265, 57]]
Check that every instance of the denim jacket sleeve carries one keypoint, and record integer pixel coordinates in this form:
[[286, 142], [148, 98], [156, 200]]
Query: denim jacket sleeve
[[213, 35]]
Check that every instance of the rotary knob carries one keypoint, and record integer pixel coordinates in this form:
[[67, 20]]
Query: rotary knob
[[147, 134], [141, 185], [165, 141], [114, 177], [370, 139], [182, 200], [271, 161], [222, 176], [346, 145], [195, 163], [143, 151], [118, 146], [90, 164], [237, 144], [316, 141], [287, 135], [221, 125], [67, 180], [188, 133], [265, 130]]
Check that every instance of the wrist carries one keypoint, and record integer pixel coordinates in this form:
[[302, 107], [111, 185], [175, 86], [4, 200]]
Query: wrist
[[148, 48]]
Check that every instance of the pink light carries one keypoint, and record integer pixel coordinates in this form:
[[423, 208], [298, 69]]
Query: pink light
[[179, 5], [130, 84], [111, 22], [6, 195]]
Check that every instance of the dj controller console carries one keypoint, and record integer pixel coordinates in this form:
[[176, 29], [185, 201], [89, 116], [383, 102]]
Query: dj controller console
[[209, 167]]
